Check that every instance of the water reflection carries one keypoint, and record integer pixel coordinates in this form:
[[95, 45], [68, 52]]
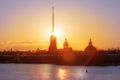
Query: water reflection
[[53, 72], [69, 73], [46, 72], [61, 74], [81, 74]]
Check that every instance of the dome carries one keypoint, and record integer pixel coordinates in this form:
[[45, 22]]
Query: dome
[[90, 49]]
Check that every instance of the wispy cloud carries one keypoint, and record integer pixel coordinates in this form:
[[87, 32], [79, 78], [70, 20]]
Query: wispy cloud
[[28, 42], [23, 45]]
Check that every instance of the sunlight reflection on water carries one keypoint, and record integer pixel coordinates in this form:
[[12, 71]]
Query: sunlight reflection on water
[[62, 74], [68, 73], [54, 72]]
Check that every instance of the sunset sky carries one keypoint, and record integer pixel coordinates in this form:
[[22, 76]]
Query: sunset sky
[[26, 24]]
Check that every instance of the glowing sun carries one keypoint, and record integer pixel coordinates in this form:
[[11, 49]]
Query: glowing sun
[[57, 32]]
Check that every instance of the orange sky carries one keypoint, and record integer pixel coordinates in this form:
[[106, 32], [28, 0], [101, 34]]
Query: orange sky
[[26, 25]]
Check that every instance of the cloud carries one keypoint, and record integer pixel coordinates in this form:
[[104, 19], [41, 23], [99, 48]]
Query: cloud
[[28, 42], [2, 43], [23, 45]]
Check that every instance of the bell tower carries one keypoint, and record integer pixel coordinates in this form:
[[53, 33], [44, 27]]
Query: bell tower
[[53, 42]]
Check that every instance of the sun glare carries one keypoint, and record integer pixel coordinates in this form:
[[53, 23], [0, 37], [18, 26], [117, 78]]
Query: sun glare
[[57, 32]]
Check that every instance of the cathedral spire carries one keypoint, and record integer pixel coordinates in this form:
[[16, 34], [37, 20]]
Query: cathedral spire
[[90, 42], [65, 39], [65, 45], [53, 41], [52, 20]]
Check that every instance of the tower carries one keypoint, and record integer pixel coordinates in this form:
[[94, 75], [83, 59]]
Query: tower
[[66, 45], [53, 42], [90, 42]]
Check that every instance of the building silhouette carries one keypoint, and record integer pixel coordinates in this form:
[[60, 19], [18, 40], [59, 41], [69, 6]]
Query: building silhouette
[[66, 44], [66, 47], [90, 49], [53, 41]]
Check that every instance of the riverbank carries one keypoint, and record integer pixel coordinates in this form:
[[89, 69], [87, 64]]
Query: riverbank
[[82, 60]]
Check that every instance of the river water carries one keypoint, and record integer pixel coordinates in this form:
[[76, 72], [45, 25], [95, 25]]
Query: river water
[[54, 72]]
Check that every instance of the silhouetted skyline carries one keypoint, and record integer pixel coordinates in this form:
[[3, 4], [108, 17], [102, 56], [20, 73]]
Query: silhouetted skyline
[[25, 24]]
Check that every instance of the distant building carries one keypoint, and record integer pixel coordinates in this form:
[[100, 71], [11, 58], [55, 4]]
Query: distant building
[[90, 49], [66, 47]]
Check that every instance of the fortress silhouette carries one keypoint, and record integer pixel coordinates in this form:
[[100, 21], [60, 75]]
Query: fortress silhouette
[[90, 49]]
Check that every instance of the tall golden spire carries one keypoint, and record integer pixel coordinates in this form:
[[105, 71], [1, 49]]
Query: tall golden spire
[[52, 20], [53, 41]]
